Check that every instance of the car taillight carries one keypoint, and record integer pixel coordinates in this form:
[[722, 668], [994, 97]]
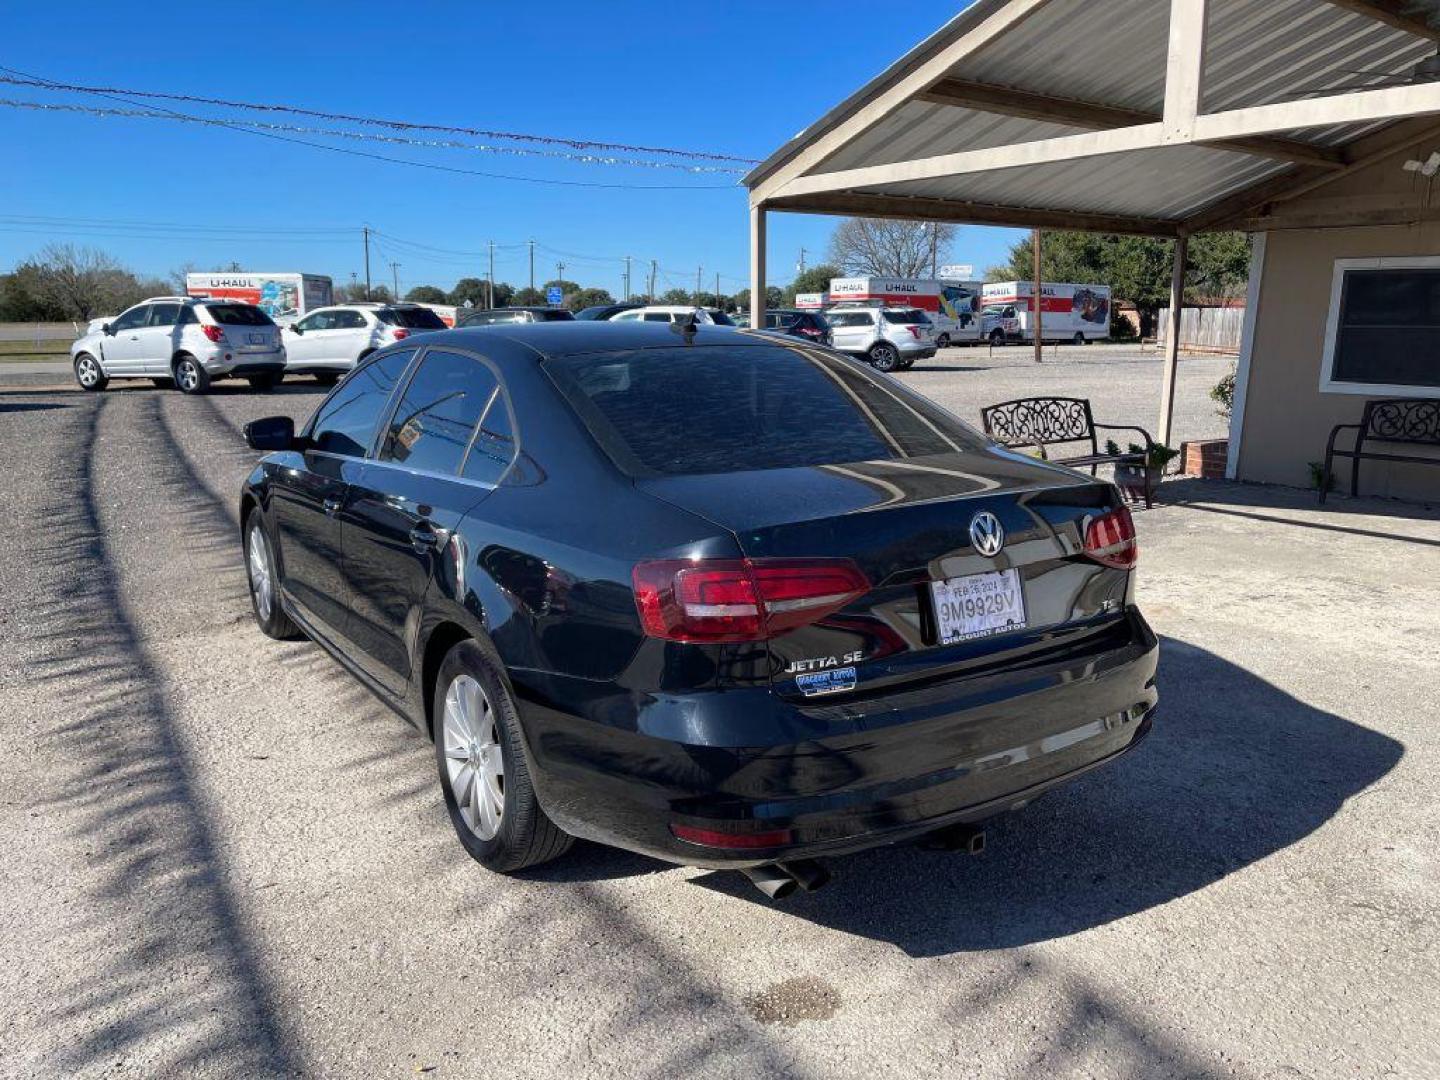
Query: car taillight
[[728, 600], [914, 332], [214, 333], [809, 331], [1110, 539], [400, 333]]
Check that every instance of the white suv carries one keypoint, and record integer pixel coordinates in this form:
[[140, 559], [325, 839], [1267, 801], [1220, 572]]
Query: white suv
[[187, 341], [891, 339], [329, 341]]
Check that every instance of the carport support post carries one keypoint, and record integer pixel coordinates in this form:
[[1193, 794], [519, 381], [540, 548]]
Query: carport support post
[[757, 267], [1172, 337], [1039, 300]]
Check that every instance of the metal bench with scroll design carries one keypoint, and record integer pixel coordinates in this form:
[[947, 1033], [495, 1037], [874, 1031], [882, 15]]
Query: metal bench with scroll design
[[1048, 421], [1396, 421]]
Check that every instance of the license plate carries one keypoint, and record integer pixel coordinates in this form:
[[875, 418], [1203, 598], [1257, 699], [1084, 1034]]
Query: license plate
[[978, 605], [257, 339]]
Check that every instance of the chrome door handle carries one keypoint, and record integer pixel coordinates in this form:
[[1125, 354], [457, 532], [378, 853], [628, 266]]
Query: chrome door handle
[[332, 506]]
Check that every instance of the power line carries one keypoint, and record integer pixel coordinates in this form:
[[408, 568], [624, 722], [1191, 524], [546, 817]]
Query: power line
[[21, 78], [394, 140], [36, 80]]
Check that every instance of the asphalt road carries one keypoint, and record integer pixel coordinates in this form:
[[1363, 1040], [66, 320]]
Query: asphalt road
[[221, 857]]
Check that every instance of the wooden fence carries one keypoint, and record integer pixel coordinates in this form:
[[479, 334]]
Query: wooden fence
[[1206, 329]]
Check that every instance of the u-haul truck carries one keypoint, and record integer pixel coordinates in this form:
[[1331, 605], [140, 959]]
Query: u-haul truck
[[283, 296], [1077, 313], [953, 306]]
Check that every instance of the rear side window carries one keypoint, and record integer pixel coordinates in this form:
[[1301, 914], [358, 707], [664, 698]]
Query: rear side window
[[186, 316], [239, 315], [658, 316], [164, 314], [494, 446], [347, 320], [722, 409], [557, 315], [850, 318], [346, 423], [412, 318], [908, 317], [433, 423]]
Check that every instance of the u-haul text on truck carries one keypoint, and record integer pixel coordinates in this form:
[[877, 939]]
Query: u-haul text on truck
[[283, 296], [953, 306], [1078, 313]]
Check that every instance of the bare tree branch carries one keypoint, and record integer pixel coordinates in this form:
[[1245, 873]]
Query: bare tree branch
[[885, 248]]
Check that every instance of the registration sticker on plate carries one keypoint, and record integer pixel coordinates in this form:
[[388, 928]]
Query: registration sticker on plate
[[978, 605]]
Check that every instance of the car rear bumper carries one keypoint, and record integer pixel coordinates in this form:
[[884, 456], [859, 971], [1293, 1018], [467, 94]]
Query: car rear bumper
[[220, 364], [840, 776]]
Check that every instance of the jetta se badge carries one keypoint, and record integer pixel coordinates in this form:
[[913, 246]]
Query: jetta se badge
[[986, 533]]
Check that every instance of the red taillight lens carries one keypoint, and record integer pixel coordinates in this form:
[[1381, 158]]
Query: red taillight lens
[[715, 838], [914, 332], [214, 333], [723, 600], [1110, 539], [400, 333]]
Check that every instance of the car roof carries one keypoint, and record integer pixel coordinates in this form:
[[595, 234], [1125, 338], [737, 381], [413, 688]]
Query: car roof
[[574, 337]]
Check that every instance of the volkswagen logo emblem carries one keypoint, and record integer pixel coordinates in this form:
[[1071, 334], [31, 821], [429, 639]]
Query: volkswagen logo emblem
[[986, 533]]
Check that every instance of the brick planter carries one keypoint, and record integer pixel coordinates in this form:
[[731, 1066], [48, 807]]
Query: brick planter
[[1204, 457]]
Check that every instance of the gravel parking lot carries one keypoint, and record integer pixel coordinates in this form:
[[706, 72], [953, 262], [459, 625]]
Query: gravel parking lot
[[222, 857]]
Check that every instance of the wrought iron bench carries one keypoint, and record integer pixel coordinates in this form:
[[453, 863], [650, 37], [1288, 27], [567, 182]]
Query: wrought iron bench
[[1396, 421], [1043, 422]]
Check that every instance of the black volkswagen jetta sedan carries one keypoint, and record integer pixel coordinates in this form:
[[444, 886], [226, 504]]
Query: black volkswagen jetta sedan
[[715, 596]]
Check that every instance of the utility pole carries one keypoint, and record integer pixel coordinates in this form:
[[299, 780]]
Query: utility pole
[[718, 303], [802, 260], [490, 281], [352, 285], [699, 272], [934, 245], [560, 272], [626, 297], [365, 231], [1038, 300], [532, 264], [395, 269], [650, 296]]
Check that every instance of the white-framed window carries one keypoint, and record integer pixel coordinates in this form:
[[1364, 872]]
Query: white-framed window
[[1382, 334]]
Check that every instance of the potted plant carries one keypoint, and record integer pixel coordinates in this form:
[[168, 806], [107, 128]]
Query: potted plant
[[1136, 479]]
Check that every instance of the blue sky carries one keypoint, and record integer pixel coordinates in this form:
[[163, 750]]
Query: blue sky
[[631, 72]]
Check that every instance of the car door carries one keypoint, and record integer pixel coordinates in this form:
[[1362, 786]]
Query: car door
[[407, 502], [123, 348], [852, 330], [310, 497], [159, 338], [353, 334], [305, 339]]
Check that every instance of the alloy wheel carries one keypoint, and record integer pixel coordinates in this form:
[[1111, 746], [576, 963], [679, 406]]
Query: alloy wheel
[[87, 371], [187, 375], [474, 759], [262, 579]]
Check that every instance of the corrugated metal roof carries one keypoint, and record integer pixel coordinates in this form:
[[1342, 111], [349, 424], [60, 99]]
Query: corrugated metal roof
[[1113, 52]]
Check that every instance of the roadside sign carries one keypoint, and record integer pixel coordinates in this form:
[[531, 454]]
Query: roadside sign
[[957, 272], [554, 296]]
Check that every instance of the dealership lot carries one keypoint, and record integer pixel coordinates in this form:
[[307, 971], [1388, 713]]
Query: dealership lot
[[225, 857]]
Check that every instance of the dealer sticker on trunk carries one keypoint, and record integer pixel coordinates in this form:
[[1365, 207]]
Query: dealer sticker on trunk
[[826, 682], [978, 605]]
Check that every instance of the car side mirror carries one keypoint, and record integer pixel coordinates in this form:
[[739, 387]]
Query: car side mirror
[[108, 329], [270, 433], [294, 329]]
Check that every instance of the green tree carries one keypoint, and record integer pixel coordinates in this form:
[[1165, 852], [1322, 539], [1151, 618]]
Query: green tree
[[815, 279], [527, 297], [583, 298], [773, 298], [677, 296], [427, 294]]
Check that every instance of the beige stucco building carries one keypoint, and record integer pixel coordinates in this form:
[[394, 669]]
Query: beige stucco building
[[1309, 124]]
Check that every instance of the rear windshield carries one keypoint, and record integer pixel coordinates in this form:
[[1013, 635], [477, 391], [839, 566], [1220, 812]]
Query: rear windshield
[[721, 319], [238, 315], [412, 318], [908, 317], [554, 315], [719, 409]]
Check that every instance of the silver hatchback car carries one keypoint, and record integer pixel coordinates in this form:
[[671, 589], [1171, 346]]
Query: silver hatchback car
[[183, 341], [891, 339]]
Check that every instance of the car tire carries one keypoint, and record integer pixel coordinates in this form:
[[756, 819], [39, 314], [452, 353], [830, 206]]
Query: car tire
[[997, 337], [884, 356], [190, 375], [943, 341], [89, 374], [163, 384], [263, 382], [327, 378], [262, 573], [1078, 339], [478, 750]]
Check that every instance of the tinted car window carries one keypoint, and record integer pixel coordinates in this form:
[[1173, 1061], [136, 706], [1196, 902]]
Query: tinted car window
[[719, 409], [488, 318], [131, 319], [908, 317], [347, 320], [164, 314], [494, 445], [555, 315], [432, 424], [850, 318], [346, 423], [721, 319], [239, 315], [187, 315], [412, 318]]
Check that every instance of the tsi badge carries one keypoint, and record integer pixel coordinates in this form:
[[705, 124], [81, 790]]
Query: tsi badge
[[986, 533], [824, 674]]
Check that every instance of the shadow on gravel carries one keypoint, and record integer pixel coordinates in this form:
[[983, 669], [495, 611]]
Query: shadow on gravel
[[160, 964], [1235, 770], [31, 406]]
